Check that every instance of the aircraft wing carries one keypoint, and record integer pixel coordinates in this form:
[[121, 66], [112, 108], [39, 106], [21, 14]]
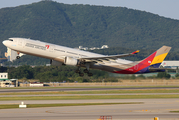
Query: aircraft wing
[[107, 58]]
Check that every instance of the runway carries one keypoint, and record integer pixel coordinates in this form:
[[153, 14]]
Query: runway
[[81, 89], [149, 109], [146, 110]]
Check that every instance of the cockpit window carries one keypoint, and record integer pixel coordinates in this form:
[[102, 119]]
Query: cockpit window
[[10, 39]]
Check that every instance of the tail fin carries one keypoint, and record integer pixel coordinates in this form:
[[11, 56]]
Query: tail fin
[[155, 59], [149, 64]]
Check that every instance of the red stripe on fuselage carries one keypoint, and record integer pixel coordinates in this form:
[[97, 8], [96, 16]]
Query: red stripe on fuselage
[[143, 64]]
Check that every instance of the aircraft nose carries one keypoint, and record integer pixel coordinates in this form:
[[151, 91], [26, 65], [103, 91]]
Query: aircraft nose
[[5, 42]]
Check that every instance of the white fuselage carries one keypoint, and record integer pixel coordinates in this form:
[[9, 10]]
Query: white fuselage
[[58, 53]]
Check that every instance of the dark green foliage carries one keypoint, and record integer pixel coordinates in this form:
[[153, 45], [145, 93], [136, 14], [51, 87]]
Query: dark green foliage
[[51, 73], [163, 75], [67, 74], [79, 79], [133, 77], [177, 75], [3, 69], [91, 26], [21, 72], [141, 76]]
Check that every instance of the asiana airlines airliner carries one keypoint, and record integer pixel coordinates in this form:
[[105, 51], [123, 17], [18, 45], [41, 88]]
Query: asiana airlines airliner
[[60, 55]]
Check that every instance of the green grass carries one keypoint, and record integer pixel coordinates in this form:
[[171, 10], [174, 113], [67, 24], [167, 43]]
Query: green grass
[[126, 91], [174, 111], [97, 92], [61, 105], [78, 97], [8, 106]]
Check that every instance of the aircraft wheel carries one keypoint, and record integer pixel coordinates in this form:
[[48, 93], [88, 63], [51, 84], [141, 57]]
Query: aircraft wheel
[[86, 71], [18, 57]]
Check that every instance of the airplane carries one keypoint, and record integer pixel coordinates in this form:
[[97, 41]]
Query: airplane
[[60, 55]]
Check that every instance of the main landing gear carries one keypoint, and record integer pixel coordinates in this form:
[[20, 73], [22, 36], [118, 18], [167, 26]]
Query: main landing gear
[[85, 71]]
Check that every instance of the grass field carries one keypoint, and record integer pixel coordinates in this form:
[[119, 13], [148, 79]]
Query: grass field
[[174, 111], [78, 97], [97, 92], [61, 105]]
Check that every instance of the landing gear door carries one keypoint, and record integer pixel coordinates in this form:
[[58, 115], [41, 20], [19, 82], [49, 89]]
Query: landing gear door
[[11, 54]]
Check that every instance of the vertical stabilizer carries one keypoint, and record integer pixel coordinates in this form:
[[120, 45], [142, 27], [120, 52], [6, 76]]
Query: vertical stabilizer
[[157, 57], [153, 61], [149, 64]]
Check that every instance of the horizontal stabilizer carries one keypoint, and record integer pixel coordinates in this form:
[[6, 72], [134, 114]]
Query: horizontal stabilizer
[[161, 68]]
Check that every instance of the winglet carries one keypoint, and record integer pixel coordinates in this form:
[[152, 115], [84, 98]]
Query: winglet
[[135, 52]]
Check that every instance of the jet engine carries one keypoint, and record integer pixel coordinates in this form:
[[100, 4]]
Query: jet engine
[[71, 61], [55, 63]]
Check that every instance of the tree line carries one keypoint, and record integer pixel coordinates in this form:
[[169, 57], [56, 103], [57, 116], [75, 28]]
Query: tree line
[[51, 73], [67, 74]]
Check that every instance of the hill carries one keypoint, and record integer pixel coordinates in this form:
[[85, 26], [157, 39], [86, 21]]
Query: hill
[[75, 25]]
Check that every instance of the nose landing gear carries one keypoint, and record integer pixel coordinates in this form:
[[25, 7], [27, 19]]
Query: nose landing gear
[[18, 57]]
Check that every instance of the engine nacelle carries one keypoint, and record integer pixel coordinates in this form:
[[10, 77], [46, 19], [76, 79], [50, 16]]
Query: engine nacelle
[[71, 61], [55, 63]]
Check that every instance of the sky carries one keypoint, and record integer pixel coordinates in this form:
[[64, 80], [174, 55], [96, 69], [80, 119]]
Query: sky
[[165, 8]]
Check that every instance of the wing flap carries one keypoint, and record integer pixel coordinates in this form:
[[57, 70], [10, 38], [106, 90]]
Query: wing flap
[[107, 58]]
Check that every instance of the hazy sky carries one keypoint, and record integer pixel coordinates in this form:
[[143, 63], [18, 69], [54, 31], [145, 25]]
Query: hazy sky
[[166, 8]]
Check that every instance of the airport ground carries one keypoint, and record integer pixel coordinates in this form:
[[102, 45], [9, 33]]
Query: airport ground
[[132, 103], [135, 82], [148, 109]]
